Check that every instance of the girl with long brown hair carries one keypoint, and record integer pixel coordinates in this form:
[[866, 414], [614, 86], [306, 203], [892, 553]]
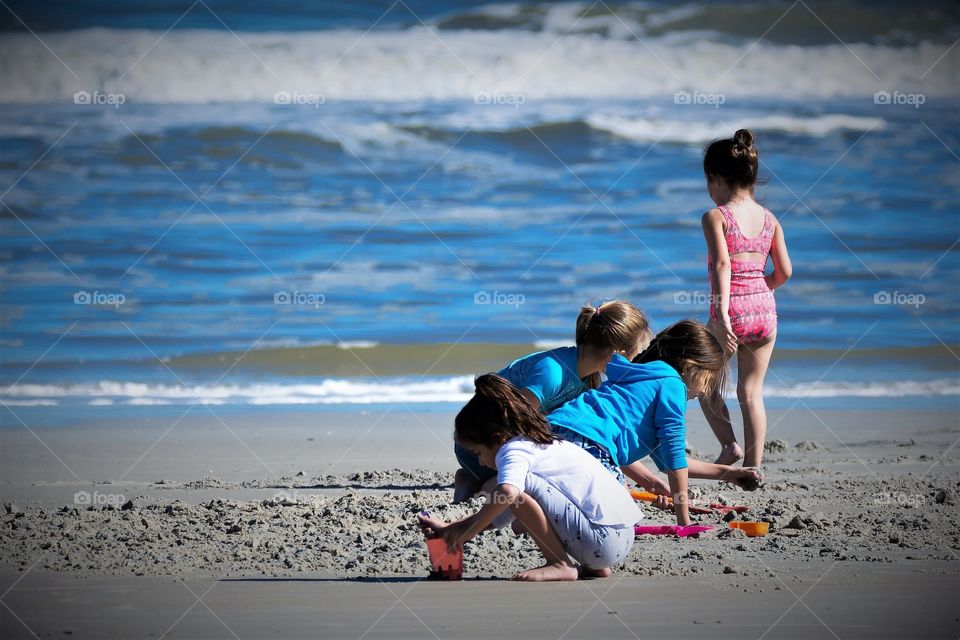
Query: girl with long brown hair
[[573, 508]]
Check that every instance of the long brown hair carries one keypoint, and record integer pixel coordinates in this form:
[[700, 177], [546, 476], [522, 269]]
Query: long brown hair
[[735, 160], [611, 326], [690, 348], [496, 413]]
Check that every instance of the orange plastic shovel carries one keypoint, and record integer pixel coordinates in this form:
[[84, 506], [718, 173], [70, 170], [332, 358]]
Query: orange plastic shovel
[[646, 496]]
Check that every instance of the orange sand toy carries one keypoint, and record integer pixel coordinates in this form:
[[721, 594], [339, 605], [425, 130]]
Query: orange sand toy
[[446, 565], [646, 496], [752, 529]]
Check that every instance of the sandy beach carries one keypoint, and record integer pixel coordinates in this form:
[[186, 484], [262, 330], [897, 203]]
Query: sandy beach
[[320, 540], [254, 256]]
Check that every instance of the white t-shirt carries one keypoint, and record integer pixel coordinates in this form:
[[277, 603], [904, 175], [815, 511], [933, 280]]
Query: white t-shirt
[[575, 473]]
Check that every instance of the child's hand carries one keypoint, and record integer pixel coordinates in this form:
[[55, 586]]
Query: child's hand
[[431, 527], [453, 533], [723, 332], [657, 486], [663, 502]]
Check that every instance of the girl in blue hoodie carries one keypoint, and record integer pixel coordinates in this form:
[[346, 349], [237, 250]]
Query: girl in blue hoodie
[[640, 410], [548, 379]]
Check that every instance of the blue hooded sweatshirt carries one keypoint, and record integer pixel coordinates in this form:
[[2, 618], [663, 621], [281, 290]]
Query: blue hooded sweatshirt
[[638, 411]]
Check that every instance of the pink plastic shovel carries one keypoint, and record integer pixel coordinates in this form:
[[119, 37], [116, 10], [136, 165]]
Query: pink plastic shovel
[[670, 530]]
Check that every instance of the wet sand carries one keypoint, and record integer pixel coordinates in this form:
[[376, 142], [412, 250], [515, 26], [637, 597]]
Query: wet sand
[[307, 530]]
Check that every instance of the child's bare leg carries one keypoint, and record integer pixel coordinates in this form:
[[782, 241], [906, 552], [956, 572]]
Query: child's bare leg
[[558, 565], [465, 486], [488, 487], [470, 476], [504, 518], [718, 417], [752, 361]]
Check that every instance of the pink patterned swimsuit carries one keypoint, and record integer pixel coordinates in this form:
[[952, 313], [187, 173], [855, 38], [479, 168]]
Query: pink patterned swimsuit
[[753, 312]]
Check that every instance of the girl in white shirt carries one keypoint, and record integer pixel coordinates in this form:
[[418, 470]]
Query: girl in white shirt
[[568, 502]]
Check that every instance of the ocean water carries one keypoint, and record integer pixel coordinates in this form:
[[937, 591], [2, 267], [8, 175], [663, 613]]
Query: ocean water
[[327, 204]]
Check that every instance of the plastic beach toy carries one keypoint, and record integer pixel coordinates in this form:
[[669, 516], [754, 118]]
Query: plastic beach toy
[[646, 496], [670, 529], [752, 529], [446, 565]]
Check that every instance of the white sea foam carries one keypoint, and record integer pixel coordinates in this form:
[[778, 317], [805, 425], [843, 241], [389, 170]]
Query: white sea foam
[[36, 402], [454, 389], [357, 344], [423, 63], [698, 132]]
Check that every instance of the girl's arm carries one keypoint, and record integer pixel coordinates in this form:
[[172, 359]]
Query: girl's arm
[[647, 479], [678, 487], [466, 529], [712, 223], [782, 268], [671, 433]]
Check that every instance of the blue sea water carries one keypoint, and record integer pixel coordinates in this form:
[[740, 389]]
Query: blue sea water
[[272, 175]]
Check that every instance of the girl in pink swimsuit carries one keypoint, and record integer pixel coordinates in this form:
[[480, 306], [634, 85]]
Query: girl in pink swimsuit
[[752, 309], [741, 235]]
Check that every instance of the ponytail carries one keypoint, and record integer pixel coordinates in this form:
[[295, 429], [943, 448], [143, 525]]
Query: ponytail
[[611, 326], [498, 412]]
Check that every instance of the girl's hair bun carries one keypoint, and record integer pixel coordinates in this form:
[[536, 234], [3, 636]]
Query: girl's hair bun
[[744, 138], [735, 159]]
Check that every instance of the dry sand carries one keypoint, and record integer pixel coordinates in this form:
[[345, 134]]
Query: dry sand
[[367, 528]]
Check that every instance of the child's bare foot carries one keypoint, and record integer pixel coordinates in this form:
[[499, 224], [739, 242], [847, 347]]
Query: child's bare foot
[[465, 486], [559, 571], [729, 454], [748, 479], [606, 572], [518, 527]]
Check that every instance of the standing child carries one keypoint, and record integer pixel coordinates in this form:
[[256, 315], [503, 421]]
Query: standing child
[[741, 234], [567, 502], [547, 379]]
